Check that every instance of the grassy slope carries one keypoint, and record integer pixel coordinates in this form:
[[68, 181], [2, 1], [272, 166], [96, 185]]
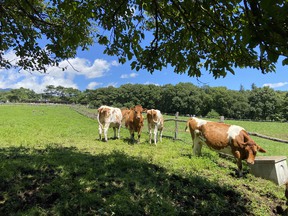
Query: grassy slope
[[52, 163]]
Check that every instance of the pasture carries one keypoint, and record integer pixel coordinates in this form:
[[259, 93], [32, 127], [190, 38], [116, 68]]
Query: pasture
[[52, 163]]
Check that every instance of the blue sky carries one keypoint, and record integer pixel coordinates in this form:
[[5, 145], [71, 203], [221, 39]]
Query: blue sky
[[96, 70]]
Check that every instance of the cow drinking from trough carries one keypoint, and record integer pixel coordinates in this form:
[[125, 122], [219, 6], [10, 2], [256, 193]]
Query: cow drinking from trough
[[229, 139], [134, 122], [109, 117], [155, 122]]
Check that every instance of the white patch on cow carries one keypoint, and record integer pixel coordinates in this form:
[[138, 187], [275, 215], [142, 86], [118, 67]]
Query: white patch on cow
[[234, 131], [200, 122]]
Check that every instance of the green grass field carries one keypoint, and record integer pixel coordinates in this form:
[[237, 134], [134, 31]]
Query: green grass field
[[52, 163]]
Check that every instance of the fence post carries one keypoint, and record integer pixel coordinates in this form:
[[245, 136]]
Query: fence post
[[176, 125], [221, 119]]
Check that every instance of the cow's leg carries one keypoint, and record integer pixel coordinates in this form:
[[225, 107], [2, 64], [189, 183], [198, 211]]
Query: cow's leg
[[132, 135], [239, 165], [114, 129], [197, 145], [100, 132], [155, 135], [161, 133], [150, 134], [139, 135], [106, 132], [118, 135]]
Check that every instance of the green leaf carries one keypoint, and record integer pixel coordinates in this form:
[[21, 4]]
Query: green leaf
[[285, 61]]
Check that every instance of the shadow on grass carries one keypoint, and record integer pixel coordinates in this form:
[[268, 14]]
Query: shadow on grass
[[64, 181]]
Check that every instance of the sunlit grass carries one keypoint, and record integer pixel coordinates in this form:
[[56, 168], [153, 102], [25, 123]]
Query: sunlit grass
[[52, 163]]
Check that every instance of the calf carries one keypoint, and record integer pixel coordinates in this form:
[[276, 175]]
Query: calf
[[155, 122], [229, 139], [109, 117], [134, 122]]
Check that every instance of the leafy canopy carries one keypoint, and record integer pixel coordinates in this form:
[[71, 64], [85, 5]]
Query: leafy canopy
[[188, 35]]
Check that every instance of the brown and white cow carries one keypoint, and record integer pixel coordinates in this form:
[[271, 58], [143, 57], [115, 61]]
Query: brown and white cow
[[134, 122], [155, 122], [229, 139], [109, 117]]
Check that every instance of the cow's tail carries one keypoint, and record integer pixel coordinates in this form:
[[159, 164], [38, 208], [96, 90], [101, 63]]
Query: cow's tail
[[99, 121], [187, 126]]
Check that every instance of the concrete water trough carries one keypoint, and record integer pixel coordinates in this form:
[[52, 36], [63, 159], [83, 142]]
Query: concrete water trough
[[273, 168]]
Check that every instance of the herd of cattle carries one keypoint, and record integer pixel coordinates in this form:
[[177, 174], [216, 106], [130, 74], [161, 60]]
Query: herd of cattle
[[230, 139], [132, 119]]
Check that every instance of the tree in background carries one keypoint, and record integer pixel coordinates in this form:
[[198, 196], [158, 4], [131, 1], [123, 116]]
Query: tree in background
[[217, 36], [22, 95], [264, 104], [285, 106], [256, 104], [60, 94]]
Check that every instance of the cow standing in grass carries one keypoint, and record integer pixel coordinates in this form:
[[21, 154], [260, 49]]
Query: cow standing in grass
[[230, 139], [156, 123], [134, 122], [109, 117]]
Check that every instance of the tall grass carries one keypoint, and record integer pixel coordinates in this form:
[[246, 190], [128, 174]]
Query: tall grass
[[52, 163]]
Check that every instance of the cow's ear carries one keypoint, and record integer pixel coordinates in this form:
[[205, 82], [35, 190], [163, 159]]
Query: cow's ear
[[148, 111], [260, 149]]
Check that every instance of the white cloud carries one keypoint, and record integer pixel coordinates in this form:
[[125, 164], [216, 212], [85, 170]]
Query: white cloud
[[126, 76], [276, 85], [114, 84], [115, 63], [149, 83], [81, 66], [37, 81], [92, 85]]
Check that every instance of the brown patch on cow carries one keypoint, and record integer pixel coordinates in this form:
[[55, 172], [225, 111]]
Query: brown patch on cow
[[103, 111], [135, 121], [213, 133]]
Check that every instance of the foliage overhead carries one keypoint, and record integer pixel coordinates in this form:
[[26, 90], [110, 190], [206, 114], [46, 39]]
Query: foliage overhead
[[217, 36]]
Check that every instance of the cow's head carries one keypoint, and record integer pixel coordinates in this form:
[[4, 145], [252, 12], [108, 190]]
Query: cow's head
[[246, 147], [251, 149], [138, 111]]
